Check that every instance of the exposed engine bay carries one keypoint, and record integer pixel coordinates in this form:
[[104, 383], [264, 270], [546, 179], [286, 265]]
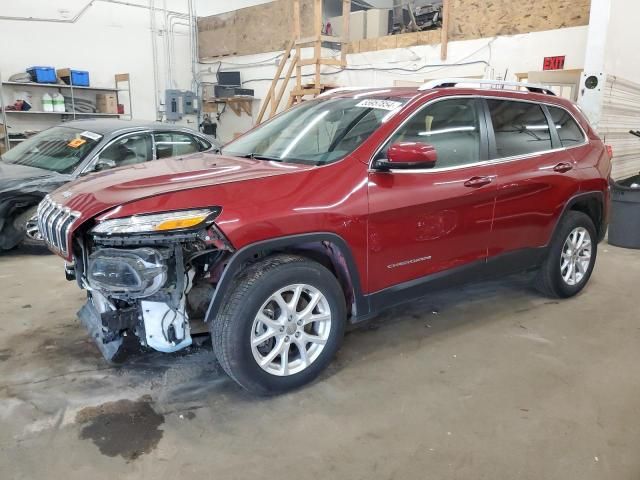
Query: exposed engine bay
[[150, 286]]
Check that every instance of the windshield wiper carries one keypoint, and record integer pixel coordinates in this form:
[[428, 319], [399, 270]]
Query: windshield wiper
[[257, 156]]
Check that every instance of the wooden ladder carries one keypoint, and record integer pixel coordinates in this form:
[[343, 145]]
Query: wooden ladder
[[273, 99], [275, 94]]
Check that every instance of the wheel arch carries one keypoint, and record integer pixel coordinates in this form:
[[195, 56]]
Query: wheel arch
[[10, 209], [592, 205], [326, 248]]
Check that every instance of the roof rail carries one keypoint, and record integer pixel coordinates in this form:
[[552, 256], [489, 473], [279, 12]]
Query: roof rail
[[345, 89], [452, 82]]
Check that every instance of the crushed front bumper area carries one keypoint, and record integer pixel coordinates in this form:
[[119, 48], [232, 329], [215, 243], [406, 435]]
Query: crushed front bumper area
[[143, 290], [92, 321]]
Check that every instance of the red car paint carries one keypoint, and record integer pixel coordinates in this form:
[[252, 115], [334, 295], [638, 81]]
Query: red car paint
[[415, 152], [446, 218]]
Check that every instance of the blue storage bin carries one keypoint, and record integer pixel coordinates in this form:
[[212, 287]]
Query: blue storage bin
[[42, 74], [78, 78]]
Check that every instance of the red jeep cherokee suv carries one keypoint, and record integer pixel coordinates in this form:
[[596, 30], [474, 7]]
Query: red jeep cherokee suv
[[329, 213]]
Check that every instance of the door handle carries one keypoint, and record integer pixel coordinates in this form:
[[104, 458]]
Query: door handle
[[563, 167], [476, 182]]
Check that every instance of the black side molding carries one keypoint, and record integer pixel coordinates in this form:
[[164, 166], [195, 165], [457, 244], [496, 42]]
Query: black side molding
[[495, 267]]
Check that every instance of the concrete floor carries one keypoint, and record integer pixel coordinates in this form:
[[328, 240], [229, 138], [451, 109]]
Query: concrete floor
[[490, 381]]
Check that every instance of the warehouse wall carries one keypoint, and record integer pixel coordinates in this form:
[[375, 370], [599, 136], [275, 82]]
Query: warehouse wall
[[208, 7], [108, 38], [614, 105], [257, 29], [621, 56], [266, 27], [488, 57], [473, 19]]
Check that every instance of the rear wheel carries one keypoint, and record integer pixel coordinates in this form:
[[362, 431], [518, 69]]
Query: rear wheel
[[281, 324], [571, 258]]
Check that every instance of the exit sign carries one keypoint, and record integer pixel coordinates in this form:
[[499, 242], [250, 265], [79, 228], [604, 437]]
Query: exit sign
[[553, 63]]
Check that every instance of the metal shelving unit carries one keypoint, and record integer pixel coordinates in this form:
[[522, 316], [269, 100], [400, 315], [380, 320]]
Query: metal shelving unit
[[120, 79], [59, 85], [75, 114]]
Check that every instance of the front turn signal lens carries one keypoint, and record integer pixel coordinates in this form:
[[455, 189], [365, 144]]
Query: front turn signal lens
[[178, 223]]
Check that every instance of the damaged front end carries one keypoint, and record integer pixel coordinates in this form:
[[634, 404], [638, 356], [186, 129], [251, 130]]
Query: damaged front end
[[148, 275]]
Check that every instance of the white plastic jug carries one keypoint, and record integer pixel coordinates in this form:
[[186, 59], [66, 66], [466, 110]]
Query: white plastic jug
[[58, 103], [47, 103]]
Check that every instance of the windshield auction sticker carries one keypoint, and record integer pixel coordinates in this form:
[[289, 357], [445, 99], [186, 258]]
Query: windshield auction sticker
[[381, 104], [91, 135]]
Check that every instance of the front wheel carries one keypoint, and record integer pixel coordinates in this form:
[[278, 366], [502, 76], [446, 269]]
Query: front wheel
[[281, 324], [571, 258], [27, 222]]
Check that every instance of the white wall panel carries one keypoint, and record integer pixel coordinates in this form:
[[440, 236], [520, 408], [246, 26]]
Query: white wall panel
[[621, 113]]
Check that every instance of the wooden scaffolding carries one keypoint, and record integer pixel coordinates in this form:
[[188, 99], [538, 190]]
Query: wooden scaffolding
[[293, 57]]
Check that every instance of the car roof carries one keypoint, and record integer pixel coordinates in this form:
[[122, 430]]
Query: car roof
[[373, 92], [108, 126], [414, 93]]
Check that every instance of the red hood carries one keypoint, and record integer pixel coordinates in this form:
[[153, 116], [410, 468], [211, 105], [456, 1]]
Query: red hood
[[99, 192]]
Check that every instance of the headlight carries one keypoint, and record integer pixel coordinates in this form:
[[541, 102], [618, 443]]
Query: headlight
[[159, 222], [134, 273]]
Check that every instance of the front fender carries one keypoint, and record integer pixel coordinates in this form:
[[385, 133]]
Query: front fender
[[248, 252]]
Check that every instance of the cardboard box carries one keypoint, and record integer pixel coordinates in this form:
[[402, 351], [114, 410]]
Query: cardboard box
[[107, 103]]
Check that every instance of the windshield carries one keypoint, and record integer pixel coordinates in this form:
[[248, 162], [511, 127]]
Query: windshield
[[59, 149], [317, 132]]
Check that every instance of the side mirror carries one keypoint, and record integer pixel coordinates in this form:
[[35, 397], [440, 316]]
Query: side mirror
[[409, 155], [103, 164]]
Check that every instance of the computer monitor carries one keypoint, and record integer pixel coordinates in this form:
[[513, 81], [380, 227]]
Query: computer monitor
[[229, 79]]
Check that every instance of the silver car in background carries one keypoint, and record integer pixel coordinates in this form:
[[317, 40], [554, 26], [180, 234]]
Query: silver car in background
[[60, 154]]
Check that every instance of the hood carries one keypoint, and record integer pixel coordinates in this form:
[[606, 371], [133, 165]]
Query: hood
[[99, 192], [21, 178]]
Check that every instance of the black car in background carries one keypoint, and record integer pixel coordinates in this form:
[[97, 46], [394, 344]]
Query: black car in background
[[60, 154]]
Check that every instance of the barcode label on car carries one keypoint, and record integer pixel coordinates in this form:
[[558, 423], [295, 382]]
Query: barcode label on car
[[381, 104], [91, 135]]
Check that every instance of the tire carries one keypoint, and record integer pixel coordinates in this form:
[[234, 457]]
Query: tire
[[238, 325], [551, 279], [23, 223]]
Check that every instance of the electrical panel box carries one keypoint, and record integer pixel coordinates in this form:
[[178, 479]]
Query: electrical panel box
[[179, 103], [189, 104]]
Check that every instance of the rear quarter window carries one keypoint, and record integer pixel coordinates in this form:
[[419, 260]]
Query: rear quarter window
[[568, 130], [520, 128]]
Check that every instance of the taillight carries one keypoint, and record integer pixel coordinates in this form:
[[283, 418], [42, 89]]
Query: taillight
[[609, 150]]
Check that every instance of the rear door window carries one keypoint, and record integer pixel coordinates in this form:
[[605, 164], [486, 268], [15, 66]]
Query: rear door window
[[129, 150], [520, 128], [568, 130], [171, 144]]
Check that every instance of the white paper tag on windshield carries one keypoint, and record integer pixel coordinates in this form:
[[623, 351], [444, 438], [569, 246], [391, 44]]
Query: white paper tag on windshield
[[91, 135], [381, 104]]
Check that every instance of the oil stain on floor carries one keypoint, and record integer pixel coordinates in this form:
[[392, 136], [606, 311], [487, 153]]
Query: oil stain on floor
[[123, 428]]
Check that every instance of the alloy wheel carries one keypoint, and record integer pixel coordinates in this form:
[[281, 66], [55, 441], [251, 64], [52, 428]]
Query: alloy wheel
[[576, 256], [291, 329], [31, 229]]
